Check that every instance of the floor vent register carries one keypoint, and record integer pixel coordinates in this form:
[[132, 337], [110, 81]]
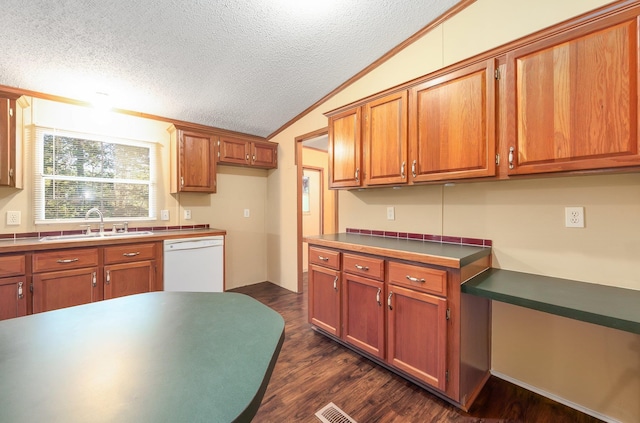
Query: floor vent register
[[330, 413]]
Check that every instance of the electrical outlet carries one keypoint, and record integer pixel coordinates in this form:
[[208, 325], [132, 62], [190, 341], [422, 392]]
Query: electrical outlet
[[13, 218], [391, 213], [574, 217], [247, 213], [187, 215], [164, 214]]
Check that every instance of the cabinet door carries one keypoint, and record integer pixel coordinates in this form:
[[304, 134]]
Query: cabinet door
[[572, 100], [234, 151], [363, 313], [417, 334], [324, 299], [54, 290], [345, 149], [385, 140], [264, 155], [13, 297], [197, 164], [128, 279], [7, 142], [452, 125]]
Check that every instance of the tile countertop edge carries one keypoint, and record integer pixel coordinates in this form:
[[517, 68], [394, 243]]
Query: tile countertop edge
[[22, 245], [396, 253], [502, 285]]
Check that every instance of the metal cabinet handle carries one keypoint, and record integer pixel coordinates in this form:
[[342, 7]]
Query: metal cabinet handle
[[378, 296], [182, 181], [65, 261], [131, 254], [94, 280], [246, 158], [413, 168], [404, 165], [365, 268], [335, 283], [358, 175], [108, 281], [254, 158], [415, 279], [323, 258], [20, 294], [389, 300], [511, 151]]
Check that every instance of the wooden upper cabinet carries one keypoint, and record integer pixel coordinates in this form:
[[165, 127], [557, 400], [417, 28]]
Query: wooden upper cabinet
[[345, 149], [193, 163], [452, 125], [235, 151], [385, 140], [572, 99], [10, 144]]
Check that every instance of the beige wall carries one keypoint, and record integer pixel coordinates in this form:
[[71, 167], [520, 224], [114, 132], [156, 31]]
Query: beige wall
[[238, 188], [593, 368]]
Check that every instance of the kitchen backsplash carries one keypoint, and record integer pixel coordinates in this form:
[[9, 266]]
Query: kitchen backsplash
[[423, 237], [75, 232]]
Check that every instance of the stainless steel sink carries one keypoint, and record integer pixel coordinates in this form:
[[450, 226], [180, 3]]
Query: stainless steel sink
[[95, 235]]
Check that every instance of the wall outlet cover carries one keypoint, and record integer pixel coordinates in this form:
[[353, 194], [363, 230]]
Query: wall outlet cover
[[13, 218], [187, 215], [246, 213], [391, 213], [164, 214], [574, 217]]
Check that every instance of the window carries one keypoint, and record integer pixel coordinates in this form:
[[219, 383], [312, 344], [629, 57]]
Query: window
[[75, 172]]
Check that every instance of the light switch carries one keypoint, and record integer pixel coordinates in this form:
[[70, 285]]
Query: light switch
[[391, 213]]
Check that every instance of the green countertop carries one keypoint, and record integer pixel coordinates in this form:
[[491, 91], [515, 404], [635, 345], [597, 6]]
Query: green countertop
[[428, 252], [154, 357], [610, 306]]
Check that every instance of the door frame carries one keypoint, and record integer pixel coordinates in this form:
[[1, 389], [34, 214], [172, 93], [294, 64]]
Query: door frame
[[298, 162]]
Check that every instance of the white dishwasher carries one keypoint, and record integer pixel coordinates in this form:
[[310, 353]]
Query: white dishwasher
[[194, 264]]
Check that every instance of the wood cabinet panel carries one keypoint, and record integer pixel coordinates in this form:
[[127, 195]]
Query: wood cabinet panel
[[325, 299], [233, 151], [129, 253], [73, 258], [264, 155], [452, 125], [369, 267], [13, 297], [345, 149], [422, 278], [363, 318], [13, 265], [54, 290], [323, 257], [129, 278], [417, 334], [573, 99], [193, 161], [386, 140]]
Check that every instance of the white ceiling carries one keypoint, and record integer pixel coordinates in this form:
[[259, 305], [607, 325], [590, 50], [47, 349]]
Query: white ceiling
[[248, 66]]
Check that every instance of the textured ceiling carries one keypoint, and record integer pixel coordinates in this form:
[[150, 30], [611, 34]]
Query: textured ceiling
[[247, 66]]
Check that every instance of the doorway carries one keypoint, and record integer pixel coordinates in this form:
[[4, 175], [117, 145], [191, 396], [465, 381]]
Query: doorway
[[312, 161]]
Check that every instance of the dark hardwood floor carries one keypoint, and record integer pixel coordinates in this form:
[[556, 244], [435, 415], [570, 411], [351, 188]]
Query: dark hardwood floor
[[313, 370]]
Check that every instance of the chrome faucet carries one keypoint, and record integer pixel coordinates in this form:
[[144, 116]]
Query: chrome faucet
[[97, 210]]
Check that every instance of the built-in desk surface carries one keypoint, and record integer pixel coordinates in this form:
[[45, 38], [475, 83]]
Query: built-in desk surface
[[617, 308], [154, 357]]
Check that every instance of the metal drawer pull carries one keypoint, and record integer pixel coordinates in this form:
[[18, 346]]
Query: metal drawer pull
[[94, 280], [108, 281], [389, 300], [404, 164], [131, 254], [365, 268], [378, 296], [65, 261], [413, 169], [323, 258], [415, 279], [20, 294], [335, 283]]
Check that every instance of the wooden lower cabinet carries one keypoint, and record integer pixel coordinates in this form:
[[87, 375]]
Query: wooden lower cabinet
[[363, 314], [324, 299], [417, 334], [14, 288], [128, 279], [65, 288]]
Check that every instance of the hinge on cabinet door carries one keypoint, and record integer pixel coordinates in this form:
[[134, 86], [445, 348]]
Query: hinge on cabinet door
[[30, 287], [11, 111], [496, 74], [446, 376], [218, 148], [497, 159], [448, 314]]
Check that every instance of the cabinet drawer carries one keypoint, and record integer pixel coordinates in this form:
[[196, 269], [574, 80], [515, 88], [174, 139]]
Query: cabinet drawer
[[12, 266], [129, 252], [369, 267], [326, 258], [65, 259], [418, 277]]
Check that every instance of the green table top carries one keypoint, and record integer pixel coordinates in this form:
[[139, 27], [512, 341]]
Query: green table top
[[154, 357], [610, 306]]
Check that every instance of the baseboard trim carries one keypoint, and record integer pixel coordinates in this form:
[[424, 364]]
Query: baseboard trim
[[555, 397]]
